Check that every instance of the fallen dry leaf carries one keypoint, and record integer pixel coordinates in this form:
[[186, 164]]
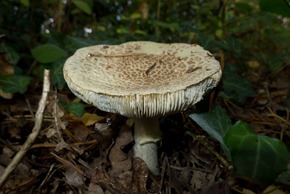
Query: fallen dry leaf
[[94, 188], [120, 162], [89, 119], [74, 179], [247, 191], [140, 176], [80, 132], [220, 187], [198, 180], [100, 177]]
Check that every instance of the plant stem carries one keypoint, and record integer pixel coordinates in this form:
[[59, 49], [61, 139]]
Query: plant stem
[[146, 135]]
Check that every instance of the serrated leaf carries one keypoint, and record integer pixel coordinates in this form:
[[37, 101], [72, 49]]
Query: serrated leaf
[[84, 6], [15, 83], [278, 6], [48, 53], [258, 157], [75, 108], [215, 124]]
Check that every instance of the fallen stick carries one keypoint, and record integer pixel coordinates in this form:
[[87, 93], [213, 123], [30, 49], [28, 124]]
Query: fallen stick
[[35, 131]]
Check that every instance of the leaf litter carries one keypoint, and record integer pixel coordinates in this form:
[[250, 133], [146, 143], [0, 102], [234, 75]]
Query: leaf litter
[[91, 155]]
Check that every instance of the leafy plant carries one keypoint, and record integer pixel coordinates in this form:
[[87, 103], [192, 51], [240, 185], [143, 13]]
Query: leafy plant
[[15, 83], [258, 157], [280, 7], [215, 124], [48, 53], [75, 107], [255, 156], [236, 88]]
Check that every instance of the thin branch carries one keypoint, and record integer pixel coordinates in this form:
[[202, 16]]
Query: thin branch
[[35, 131]]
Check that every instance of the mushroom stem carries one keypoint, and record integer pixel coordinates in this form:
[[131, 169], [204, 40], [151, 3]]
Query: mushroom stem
[[146, 136]]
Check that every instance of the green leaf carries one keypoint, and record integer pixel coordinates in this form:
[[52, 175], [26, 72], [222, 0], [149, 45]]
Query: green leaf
[[75, 108], [48, 53], [258, 157], [84, 6], [74, 43], [215, 124], [122, 30], [206, 41], [243, 7], [57, 78], [135, 16], [12, 55], [280, 7], [169, 25], [235, 87], [25, 2], [275, 62], [15, 83]]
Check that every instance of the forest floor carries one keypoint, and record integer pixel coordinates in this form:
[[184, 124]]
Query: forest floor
[[93, 153]]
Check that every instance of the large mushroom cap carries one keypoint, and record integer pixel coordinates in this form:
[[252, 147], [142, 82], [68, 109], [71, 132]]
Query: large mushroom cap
[[137, 79]]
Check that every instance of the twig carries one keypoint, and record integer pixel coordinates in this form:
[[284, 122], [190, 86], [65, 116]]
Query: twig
[[68, 163], [35, 131]]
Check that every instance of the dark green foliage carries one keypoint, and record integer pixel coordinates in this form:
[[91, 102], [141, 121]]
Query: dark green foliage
[[215, 124], [15, 83], [255, 156], [52, 30], [75, 107], [258, 157], [236, 88], [48, 53], [280, 7], [38, 35]]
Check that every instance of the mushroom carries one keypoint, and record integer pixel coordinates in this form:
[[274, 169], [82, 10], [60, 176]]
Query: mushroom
[[143, 81]]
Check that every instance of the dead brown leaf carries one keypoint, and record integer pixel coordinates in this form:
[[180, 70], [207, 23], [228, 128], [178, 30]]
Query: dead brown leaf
[[140, 176], [220, 187], [74, 179], [120, 162], [100, 177]]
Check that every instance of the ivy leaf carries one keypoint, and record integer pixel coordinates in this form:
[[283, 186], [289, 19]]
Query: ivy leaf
[[84, 6], [75, 108], [258, 157], [15, 83], [215, 124], [48, 53]]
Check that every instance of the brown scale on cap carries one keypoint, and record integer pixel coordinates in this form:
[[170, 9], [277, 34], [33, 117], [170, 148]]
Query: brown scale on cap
[[141, 70]]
